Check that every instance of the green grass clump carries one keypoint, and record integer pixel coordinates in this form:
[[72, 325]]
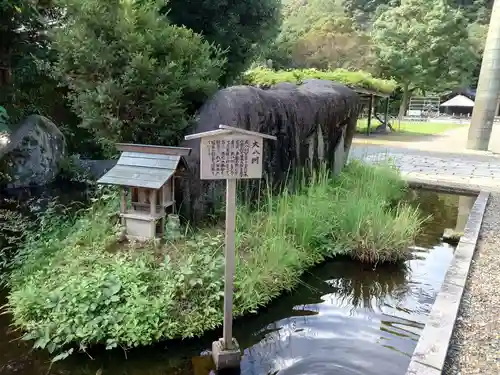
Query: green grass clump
[[265, 77], [74, 284]]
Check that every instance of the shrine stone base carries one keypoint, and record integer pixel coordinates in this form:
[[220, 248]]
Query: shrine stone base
[[226, 359]]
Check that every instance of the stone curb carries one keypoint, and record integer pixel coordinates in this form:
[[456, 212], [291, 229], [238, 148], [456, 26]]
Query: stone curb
[[453, 183], [430, 354], [426, 147], [443, 186]]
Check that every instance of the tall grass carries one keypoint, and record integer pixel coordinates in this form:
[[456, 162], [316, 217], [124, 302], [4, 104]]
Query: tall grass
[[70, 288], [358, 214]]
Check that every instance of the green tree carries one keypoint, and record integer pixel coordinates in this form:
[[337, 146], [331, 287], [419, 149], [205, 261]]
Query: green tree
[[131, 75], [319, 34], [25, 86], [477, 37], [302, 16], [241, 28], [333, 43], [423, 44], [475, 10], [363, 11], [20, 25]]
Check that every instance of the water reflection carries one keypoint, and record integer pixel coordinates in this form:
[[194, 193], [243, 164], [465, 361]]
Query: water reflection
[[364, 319], [443, 209], [464, 207], [344, 318]]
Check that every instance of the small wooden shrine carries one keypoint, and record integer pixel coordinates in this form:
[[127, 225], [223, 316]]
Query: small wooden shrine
[[147, 175]]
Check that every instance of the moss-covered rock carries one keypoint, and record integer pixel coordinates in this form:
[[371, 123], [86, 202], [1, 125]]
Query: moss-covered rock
[[31, 155], [264, 77], [314, 122]]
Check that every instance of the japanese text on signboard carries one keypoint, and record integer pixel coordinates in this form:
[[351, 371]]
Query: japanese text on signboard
[[231, 156]]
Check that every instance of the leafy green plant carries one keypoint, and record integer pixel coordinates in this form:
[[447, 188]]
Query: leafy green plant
[[14, 227]]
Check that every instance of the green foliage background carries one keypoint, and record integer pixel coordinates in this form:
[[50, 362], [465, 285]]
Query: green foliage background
[[46, 67], [424, 45], [173, 58], [240, 28], [428, 47]]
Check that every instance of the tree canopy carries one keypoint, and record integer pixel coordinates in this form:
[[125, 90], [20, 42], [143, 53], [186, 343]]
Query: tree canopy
[[423, 44], [331, 34], [207, 43], [24, 86], [223, 38], [240, 28], [320, 34]]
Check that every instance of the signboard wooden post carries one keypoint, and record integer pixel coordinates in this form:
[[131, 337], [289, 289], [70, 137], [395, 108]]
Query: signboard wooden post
[[229, 154]]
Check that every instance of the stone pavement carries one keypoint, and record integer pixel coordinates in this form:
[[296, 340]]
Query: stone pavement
[[443, 161], [451, 141]]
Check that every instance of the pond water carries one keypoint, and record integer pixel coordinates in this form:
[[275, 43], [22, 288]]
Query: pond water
[[344, 318]]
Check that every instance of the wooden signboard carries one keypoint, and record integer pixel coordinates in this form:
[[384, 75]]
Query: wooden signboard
[[230, 154]]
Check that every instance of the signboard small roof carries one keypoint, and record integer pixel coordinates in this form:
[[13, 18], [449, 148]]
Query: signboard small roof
[[224, 129]]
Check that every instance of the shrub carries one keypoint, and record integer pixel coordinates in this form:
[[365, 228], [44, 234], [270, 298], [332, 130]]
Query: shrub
[[73, 286], [13, 230], [131, 75], [267, 77]]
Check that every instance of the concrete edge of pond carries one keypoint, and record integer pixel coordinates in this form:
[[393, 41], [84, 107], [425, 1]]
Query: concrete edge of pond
[[443, 186], [432, 347]]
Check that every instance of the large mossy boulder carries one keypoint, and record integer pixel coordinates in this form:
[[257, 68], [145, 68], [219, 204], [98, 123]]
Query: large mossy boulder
[[314, 123], [31, 155]]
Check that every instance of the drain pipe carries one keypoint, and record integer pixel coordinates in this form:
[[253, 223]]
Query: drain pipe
[[488, 89]]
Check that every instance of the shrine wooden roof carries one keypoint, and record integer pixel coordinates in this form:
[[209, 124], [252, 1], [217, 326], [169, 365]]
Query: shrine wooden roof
[[145, 166]]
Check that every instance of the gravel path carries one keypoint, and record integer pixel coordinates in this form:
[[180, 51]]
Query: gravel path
[[475, 345]]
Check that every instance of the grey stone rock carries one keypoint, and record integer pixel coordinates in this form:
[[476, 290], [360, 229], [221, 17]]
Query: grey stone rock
[[309, 121], [31, 155]]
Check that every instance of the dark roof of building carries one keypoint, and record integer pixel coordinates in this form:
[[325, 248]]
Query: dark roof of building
[[148, 167]]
